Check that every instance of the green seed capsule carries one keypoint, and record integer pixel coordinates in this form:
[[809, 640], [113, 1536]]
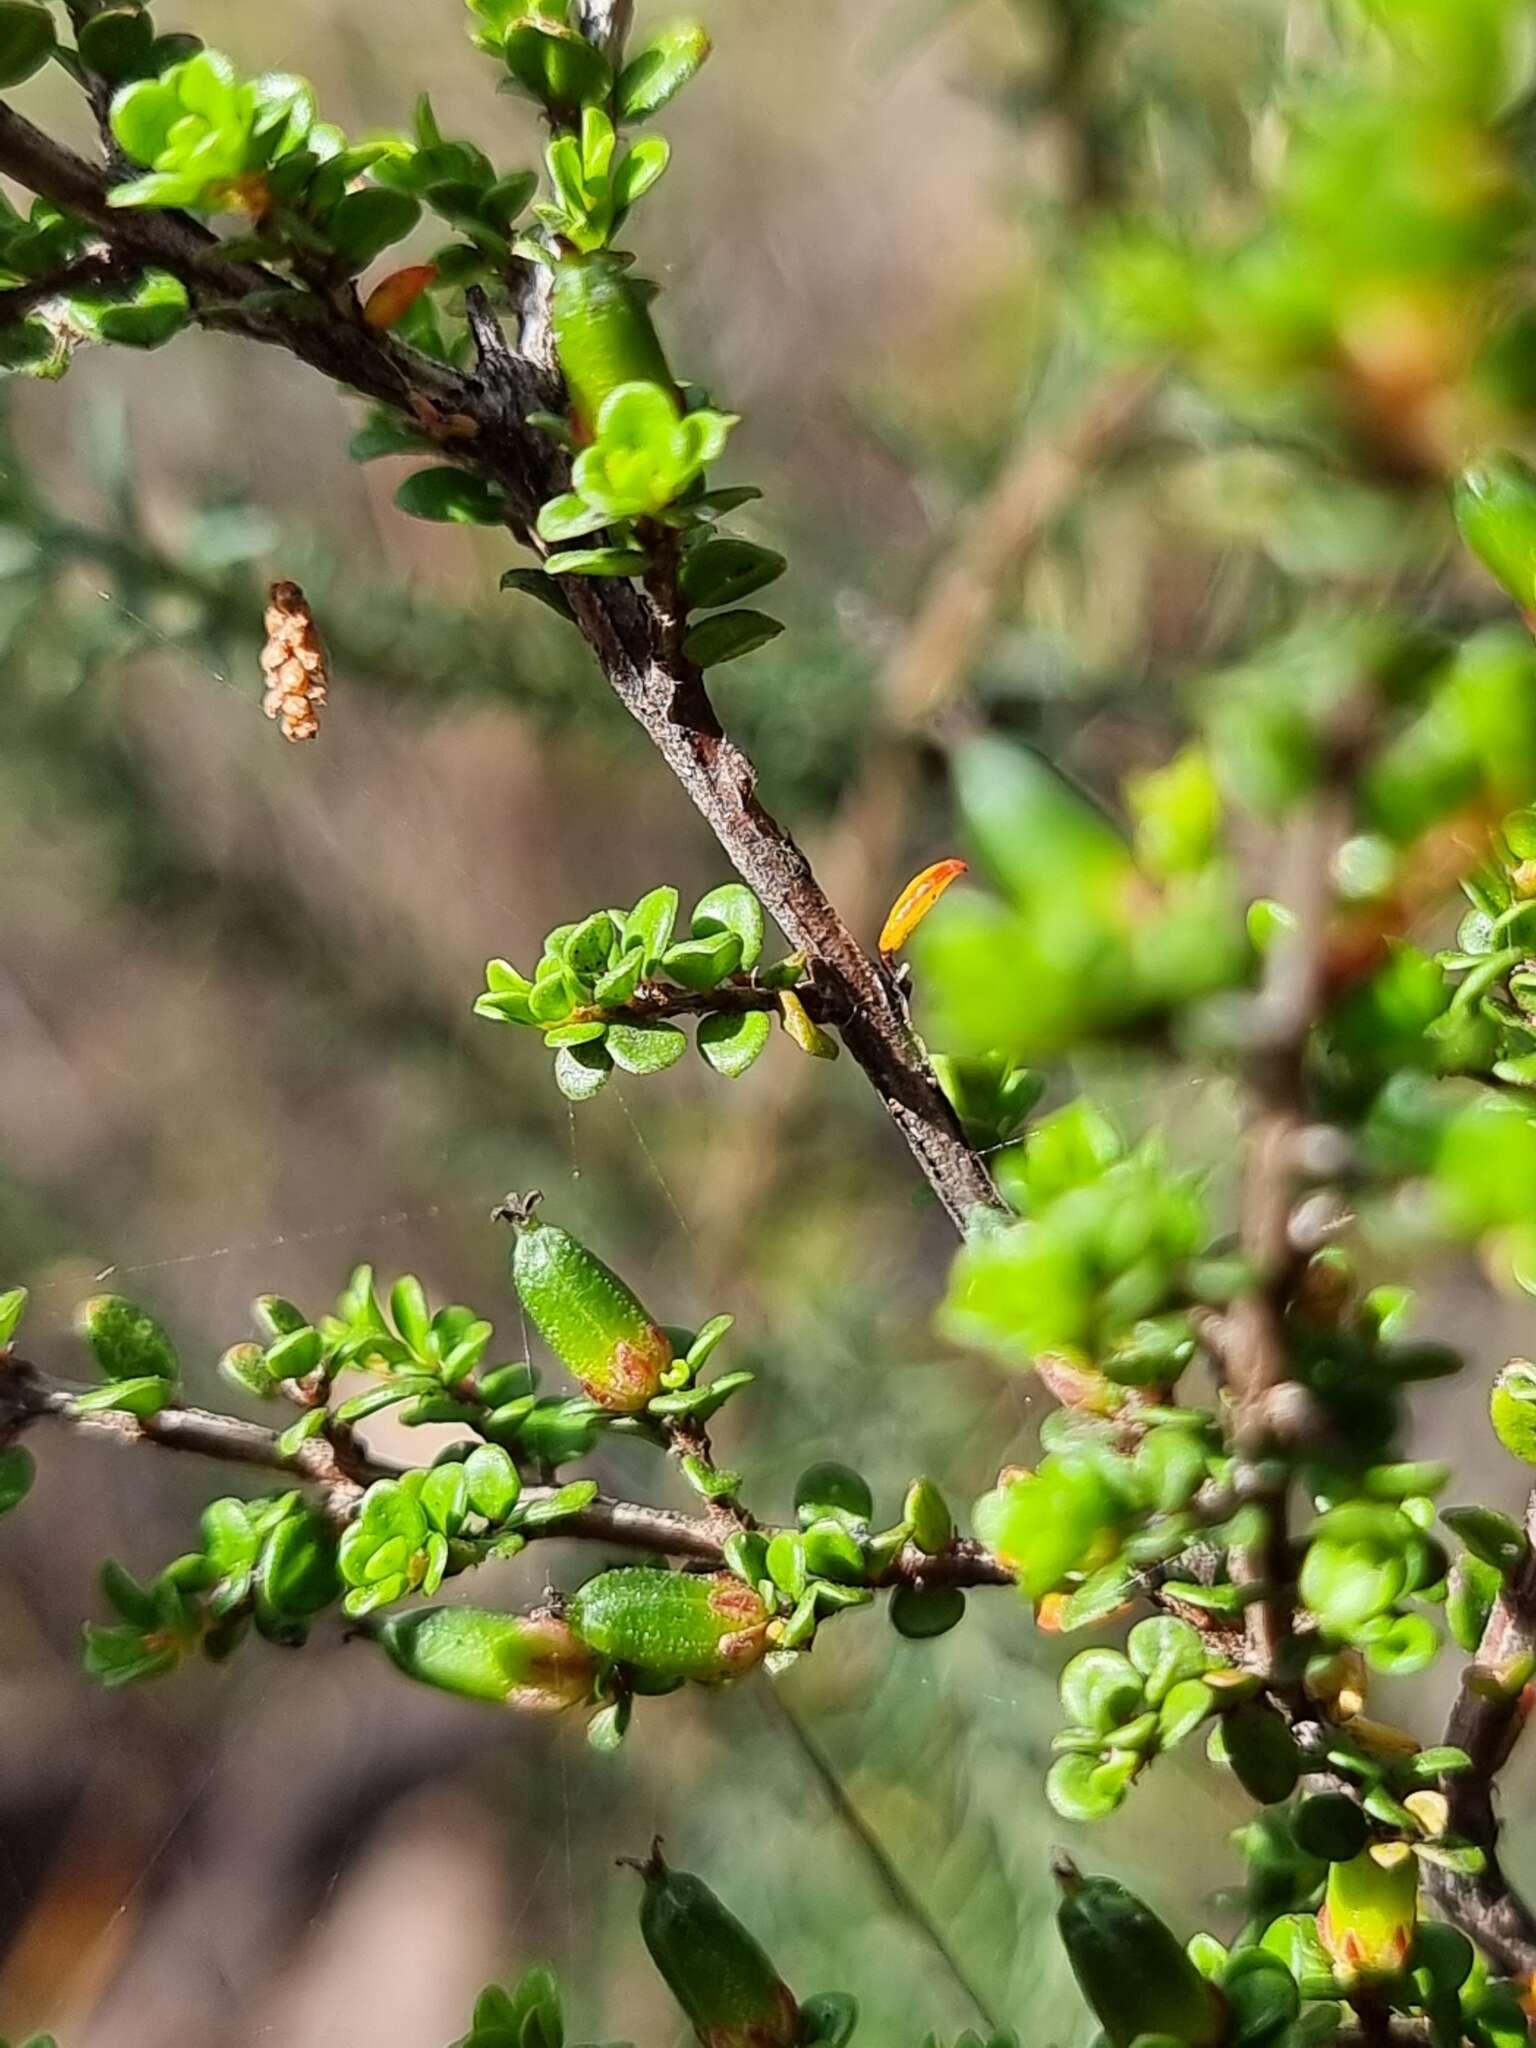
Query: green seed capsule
[[1370, 1910], [604, 337], [672, 1624], [719, 1973], [584, 1312], [514, 1660], [1130, 1967]]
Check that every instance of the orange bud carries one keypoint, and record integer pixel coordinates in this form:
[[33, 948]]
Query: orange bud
[[393, 296], [249, 194], [1048, 1615], [915, 902]]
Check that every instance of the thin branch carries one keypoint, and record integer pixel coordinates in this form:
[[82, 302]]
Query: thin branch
[[345, 1470], [887, 1872], [28, 1395], [926, 674], [1486, 1721], [729, 998], [1252, 1344], [86, 273]]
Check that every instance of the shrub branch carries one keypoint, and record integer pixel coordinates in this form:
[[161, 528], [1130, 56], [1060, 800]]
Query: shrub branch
[[633, 635], [344, 1470]]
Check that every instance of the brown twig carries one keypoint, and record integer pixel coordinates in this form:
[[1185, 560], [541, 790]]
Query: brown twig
[[29, 1396], [926, 674], [1486, 1719], [629, 633], [1250, 1338], [86, 273]]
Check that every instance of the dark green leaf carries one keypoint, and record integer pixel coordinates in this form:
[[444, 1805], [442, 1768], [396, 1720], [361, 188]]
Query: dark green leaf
[[534, 583], [451, 496], [116, 43], [829, 1488], [364, 224], [17, 1471], [718, 572], [27, 40], [920, 1611], [729, 635], [1330, 1826], [1262, 1751]]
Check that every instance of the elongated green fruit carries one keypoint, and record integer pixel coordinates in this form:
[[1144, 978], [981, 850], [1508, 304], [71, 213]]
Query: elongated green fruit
[[1130, 1967], [604, 337], [528, 1661], [1369, 1913], [584, 1312], [709, 1628], [718, 1972]]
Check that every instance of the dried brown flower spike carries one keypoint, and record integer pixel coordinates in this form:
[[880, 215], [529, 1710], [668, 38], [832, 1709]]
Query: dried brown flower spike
[[293, 662]]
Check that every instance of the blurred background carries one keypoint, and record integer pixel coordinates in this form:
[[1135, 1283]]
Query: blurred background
[[237, 1051]]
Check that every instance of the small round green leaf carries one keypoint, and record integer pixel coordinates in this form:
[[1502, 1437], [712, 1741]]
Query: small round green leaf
[[1406, 1644], [1330, 1826], [828, 2020], [364, 224], [1347, 1583], [732, 1042], [733, 908], [127, 1342], [582, 1070], [921, 1611], [1100, 1689], [645, 1048], [451, 496], [560, 69], [493, 1482], [702, 964], [829, 1488], [116, 43], [1081, 1788], [720, 571], [1184, 1707], [1262, 1752], [1261, 1996], [1165, 1649]]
